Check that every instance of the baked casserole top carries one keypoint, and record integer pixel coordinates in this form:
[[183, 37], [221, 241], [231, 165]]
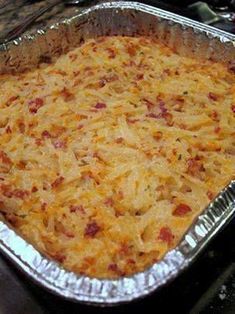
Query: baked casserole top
[[109, 154]]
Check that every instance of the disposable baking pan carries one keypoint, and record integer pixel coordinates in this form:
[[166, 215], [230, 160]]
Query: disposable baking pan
[[118, 18]]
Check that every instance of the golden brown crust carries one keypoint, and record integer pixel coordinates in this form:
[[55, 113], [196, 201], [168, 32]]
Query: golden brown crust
[[108, 155]]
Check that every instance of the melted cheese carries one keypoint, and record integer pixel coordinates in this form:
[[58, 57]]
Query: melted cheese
[[108, 155]]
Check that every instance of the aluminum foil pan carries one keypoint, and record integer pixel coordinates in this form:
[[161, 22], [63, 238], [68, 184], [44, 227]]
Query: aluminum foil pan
[[127, 18]]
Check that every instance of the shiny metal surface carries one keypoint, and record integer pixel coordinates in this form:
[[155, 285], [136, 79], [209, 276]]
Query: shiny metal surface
[[27, 21], [126, 18]]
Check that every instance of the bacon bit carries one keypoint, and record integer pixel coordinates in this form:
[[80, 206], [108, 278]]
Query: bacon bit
[[217, 129], [100, 105], [168, 118], [233, 108], [67, 95], [152, 115], [111, 53], [213, 96], [59, 257], [140, 76], [210, 195], [8, 194], [131, 49], [166, 235], [91, 229], [157, 135], [68, 234], [155, 260], [162, 107], [21, 164], [35, 104], [4, 158], [131, 261], [57, 182], [102, 82], [181, 210], [124, 249], [119, 140], [34, 189], [163, 111], [38, 142], [77, 208], [107, 79], [8, 130], [43, 206], [20, 193], [231, 66], [60, 72], [10, 100], [195, 166], [12, 219], [6, 190], [180, 98], [132, 121], [167, 71], [166, 115], [59, 144], [149, 104], [80, 126], [174, 151], [118, 213], [96, 155], [109, 202], [214, 116], [46, 134], [114, 268], [21, 126]]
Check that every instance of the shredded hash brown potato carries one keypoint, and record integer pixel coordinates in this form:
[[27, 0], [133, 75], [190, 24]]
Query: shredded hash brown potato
[[109, 154]]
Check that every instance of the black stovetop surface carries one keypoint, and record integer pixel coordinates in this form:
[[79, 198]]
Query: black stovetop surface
[[208, 286]]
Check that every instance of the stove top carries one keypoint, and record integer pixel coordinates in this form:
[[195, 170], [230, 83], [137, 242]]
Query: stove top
[[217, 13]]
